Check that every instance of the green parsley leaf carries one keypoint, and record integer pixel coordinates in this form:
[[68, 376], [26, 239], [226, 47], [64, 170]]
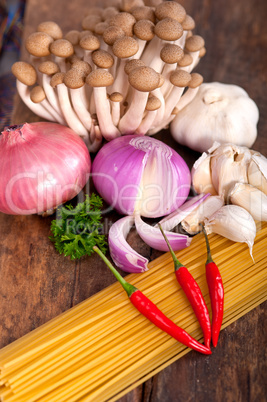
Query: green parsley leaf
[[77, 230]]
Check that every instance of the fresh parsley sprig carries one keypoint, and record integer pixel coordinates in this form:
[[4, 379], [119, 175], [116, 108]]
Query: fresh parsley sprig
[[77, 230]]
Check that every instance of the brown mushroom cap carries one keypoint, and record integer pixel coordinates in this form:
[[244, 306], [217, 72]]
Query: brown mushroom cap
[[161, 80], [57, 79], [101, 27], [38, 44], [186, 60], [188, 23], [144, 13], [144, 79], [24, 72], [48, 67], [102, 59], [125, 21], [37, 94], [94, 11], [82, 67], [132, 64], [111, 34], [90, 21], [99, 78], [171, 53], [180, 78], [109, 12], [116, 97], [194, 43], [51, 28], [144, 30], [170, 9], [196, 80], [169, 29], [90, 42], [202, 52], [73, 37], [129, 5], [85, 33], [62, 48], [125, 47], [153, 103], [74, 79]]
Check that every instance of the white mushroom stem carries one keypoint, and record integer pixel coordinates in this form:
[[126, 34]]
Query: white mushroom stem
[[115, 112], [147, 122], [80, 108], [180, 79], [160, 112], [134, 115], [52, 97], [39, 110], [38, 96], [95, 139], [107, 128], [193, 87], [70, 116]]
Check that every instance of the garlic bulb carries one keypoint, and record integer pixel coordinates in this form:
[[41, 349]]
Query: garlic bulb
[[250, 198], [234, 223], [218, 112]]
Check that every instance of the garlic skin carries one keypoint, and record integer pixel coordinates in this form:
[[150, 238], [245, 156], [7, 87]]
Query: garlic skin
[[234, 223], [218, 112], [250, 198], [257, 172]]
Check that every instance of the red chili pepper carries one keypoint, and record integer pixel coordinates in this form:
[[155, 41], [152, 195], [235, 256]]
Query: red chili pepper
[[148, 309], [216, 292], [192, 292]]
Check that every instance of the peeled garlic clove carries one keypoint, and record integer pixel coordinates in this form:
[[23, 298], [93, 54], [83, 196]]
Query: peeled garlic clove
[[123, 255], [191, 223], [229, 164], [234, 223], [201, 175], [250, 198], [257, 172]]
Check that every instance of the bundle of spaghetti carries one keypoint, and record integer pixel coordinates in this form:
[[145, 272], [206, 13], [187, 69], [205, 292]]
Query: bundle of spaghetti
[[102, 348]]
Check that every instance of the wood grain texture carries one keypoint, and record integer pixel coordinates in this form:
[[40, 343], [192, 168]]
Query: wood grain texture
[[37, 284]]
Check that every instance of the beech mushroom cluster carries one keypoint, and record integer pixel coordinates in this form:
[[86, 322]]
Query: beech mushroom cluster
[[128, 70]]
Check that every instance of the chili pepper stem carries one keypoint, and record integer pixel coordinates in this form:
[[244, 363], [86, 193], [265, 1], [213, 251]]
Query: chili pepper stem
[[209, 257], [177, 263], [129, 289]]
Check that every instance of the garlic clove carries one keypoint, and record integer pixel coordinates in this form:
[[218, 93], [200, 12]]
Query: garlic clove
[[201, 175], [234, 223], [257, 172], [229, 164], [123, 255], [250, 198], [172, 220], [152, 236], [191, 223]]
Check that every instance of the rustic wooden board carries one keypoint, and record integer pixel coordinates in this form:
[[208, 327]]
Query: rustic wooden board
[[37, 284]]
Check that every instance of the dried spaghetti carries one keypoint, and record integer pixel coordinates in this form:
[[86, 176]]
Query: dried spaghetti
[[103, 348]]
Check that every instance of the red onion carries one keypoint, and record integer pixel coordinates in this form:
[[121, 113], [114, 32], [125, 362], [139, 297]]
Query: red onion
[[141, 174], [42, 165]]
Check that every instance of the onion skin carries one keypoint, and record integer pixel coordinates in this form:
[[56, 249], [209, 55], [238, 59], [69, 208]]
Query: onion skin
[[42, 165], [139, 174]]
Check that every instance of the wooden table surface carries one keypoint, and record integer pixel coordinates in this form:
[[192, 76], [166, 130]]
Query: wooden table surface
[[37, 284]]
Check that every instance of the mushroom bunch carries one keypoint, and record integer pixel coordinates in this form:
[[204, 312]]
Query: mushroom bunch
[[127, 71]]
